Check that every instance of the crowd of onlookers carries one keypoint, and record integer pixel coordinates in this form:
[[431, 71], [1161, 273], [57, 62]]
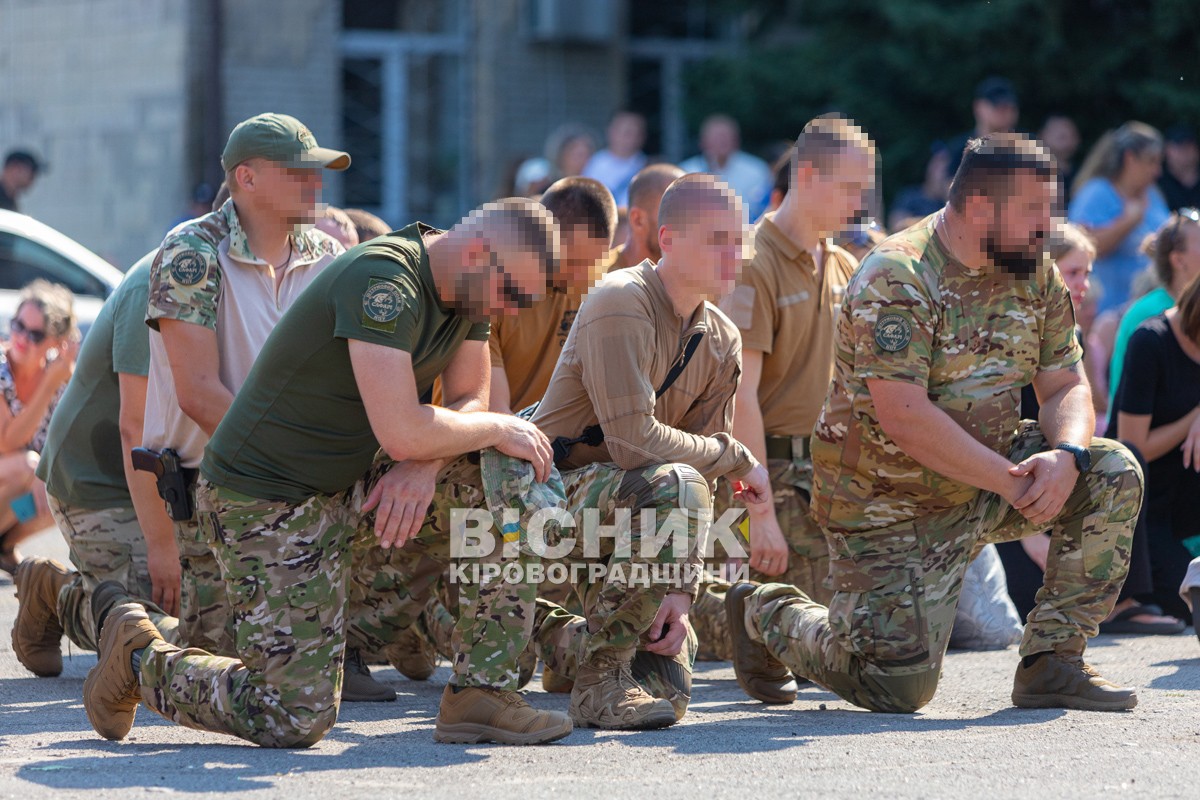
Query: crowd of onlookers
[[1130, 258]]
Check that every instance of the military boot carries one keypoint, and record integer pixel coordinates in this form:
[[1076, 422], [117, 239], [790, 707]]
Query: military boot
[[412, 655], [556, 683], [111, 693], [607, 696], [37, 631], [665, 678], [1054, 680], [760, 674], [358, 686], [481, 714]]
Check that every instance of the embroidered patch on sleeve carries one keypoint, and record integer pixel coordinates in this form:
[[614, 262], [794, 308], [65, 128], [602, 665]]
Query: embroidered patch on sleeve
[[892, 333], [188, 268], [382, 303]]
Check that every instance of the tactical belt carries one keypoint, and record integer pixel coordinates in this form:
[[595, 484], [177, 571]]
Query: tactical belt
[[593, 435], [788, 448]]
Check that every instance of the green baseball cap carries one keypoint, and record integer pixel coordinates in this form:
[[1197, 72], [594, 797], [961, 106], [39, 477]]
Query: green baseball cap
[[278, 137]]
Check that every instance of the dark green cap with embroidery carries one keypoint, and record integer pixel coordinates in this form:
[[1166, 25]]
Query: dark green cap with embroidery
[[279, 138]]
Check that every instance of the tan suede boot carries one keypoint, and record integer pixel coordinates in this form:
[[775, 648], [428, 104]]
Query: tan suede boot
[[477, 714], [37, 631], [111, 693], [607, 696], [1067, 681]]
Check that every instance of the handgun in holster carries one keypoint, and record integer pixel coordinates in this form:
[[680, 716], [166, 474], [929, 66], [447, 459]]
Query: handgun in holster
[[171, 477]]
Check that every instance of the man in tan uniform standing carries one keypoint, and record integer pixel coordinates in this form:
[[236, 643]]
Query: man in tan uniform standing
[[785, 305], [524, 349], [656, 444], [645, 193]]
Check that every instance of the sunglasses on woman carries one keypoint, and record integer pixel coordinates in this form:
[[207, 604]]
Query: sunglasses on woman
[[32, 334]]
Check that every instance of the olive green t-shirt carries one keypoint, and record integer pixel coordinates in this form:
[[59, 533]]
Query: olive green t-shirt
[[298, 427], [82, 462]]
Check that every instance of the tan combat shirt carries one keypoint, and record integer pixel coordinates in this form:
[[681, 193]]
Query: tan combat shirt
[[783, 312], [527, 346], [623, 343]]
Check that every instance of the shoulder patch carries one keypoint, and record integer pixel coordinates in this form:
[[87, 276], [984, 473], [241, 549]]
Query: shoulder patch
[[382, 304], [892, 333], [188, 268]]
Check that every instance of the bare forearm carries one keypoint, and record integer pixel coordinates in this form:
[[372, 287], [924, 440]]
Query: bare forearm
[[748, 425], [1109, 237], [441, 433], [156, 526], [205, 404], [1157, 442], [1068, 416], [929, 436], [501, 398], [21, 428]]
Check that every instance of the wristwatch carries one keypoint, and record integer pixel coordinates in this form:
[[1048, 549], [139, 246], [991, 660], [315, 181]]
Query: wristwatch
[[1083, 456]]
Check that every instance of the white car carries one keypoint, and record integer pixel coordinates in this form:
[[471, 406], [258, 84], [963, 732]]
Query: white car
[[30, 249]]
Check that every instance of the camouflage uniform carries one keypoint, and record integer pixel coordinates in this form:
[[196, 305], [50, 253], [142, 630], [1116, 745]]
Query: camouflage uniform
[[618, 611], [288, 569], [191, 281], [105, 545], [901, 535]]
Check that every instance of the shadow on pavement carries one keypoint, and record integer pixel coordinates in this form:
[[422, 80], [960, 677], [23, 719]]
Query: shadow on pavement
[[1186, 676], [230, 765]]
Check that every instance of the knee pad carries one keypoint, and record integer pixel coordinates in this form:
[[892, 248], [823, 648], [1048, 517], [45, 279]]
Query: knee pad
[[903, 694]]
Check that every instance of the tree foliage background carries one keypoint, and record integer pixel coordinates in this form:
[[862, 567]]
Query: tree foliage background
[[906, 69]]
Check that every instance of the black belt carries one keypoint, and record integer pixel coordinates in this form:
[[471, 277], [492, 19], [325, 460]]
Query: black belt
[[787, 448]]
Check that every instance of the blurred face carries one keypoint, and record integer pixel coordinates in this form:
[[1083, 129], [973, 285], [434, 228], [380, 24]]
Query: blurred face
[[1076, 270], [1181, 157], [709, 248], [1015, 240], [995, 117], [498, 280], [1061, 138], [1142, 169], [1186, 260], [19, 176], [626, 133], [348, 237], [719, 141], [575, 155], [581, 252], [29, 341], [840, 191], [289, 193]]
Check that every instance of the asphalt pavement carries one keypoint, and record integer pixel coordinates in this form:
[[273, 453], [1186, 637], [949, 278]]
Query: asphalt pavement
[[969, 742]]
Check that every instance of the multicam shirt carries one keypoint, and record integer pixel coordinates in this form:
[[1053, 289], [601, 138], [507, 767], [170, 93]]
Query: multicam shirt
[[972, 337], [205, 274]]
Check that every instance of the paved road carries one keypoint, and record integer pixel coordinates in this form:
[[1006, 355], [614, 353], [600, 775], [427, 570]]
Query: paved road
[[968, 742]]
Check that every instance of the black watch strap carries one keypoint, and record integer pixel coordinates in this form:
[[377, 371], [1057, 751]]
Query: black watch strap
[[1083, 456]]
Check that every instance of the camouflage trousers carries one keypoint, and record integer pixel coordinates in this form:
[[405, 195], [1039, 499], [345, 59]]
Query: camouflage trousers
[[205, 618], [808, 556], [106, 545], [881, 642], [287, 570], [619, 609]]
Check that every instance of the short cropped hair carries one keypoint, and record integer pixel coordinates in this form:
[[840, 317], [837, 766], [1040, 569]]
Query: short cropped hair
[[826, 138], [693, 193], [582, 202], [989, 163], [651, 181], [522, 222]]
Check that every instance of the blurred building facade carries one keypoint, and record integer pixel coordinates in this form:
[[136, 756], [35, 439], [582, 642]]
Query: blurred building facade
[[130, 101]]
